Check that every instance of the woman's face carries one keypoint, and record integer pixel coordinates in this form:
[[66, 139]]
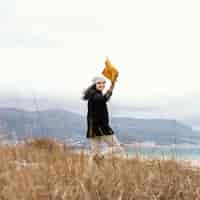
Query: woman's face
[[100, 85]]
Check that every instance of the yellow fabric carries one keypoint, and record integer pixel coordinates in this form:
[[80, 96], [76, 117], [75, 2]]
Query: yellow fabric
[[110, 70]]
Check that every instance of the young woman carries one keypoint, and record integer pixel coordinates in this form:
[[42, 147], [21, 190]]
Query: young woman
[[98, 128]]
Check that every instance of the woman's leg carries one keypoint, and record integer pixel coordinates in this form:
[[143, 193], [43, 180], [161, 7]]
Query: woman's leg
[[113, 142], [95, 143], [95, 146]]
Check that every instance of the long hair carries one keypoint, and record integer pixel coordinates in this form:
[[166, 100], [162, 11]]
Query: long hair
[[87, 93]]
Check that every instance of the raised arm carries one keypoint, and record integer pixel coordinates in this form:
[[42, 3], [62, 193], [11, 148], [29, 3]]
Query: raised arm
[[109, 92]]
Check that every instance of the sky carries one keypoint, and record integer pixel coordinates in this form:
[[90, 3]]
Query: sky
[[55, 48]]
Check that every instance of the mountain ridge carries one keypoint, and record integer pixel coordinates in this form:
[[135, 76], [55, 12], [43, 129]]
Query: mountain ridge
[[60, 123]]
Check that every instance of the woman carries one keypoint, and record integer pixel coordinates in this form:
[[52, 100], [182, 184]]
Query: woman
[[98, 128]]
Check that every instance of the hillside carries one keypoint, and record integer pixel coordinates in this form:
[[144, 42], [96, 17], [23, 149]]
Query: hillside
[[62, 124]]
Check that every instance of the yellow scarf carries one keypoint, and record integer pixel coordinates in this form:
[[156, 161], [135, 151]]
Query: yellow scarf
[[110, 70]]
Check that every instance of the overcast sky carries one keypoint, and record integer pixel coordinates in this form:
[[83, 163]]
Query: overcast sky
[[55, 47]]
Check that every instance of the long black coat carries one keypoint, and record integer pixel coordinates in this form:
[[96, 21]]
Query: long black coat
[[97, 116]]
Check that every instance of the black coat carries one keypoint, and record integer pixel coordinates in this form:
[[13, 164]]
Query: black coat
[[97, 116]]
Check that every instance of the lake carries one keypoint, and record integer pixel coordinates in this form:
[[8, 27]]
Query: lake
[[179, 151]]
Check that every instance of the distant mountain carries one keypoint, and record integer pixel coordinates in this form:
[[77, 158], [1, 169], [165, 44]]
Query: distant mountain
[[161, 131], [193, 121], [55, 123], [62, 123]]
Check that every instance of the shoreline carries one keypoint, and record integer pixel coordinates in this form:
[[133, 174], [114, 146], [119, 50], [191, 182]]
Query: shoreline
[[194, 163]]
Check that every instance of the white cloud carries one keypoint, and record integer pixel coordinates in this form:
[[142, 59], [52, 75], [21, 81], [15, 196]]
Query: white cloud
[[155, 45], [17, 32]]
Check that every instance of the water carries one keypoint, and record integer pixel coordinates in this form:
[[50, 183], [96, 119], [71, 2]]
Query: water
[[180, 152], [184, 151]]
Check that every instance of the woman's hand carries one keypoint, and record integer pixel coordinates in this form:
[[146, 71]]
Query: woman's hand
[[112, 85]]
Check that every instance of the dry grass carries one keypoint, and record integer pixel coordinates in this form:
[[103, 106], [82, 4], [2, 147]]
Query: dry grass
[[42, 169]]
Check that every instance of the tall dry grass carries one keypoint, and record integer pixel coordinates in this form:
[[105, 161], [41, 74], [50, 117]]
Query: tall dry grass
[[42, 169]]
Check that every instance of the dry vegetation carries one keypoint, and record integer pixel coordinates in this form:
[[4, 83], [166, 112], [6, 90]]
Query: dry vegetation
[[43, 169]]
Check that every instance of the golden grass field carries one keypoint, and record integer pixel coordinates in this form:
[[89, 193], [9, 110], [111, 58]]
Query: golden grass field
[[42, 169]]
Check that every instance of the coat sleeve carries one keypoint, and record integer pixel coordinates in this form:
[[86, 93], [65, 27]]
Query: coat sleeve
[[90, 127], [107, 95]]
